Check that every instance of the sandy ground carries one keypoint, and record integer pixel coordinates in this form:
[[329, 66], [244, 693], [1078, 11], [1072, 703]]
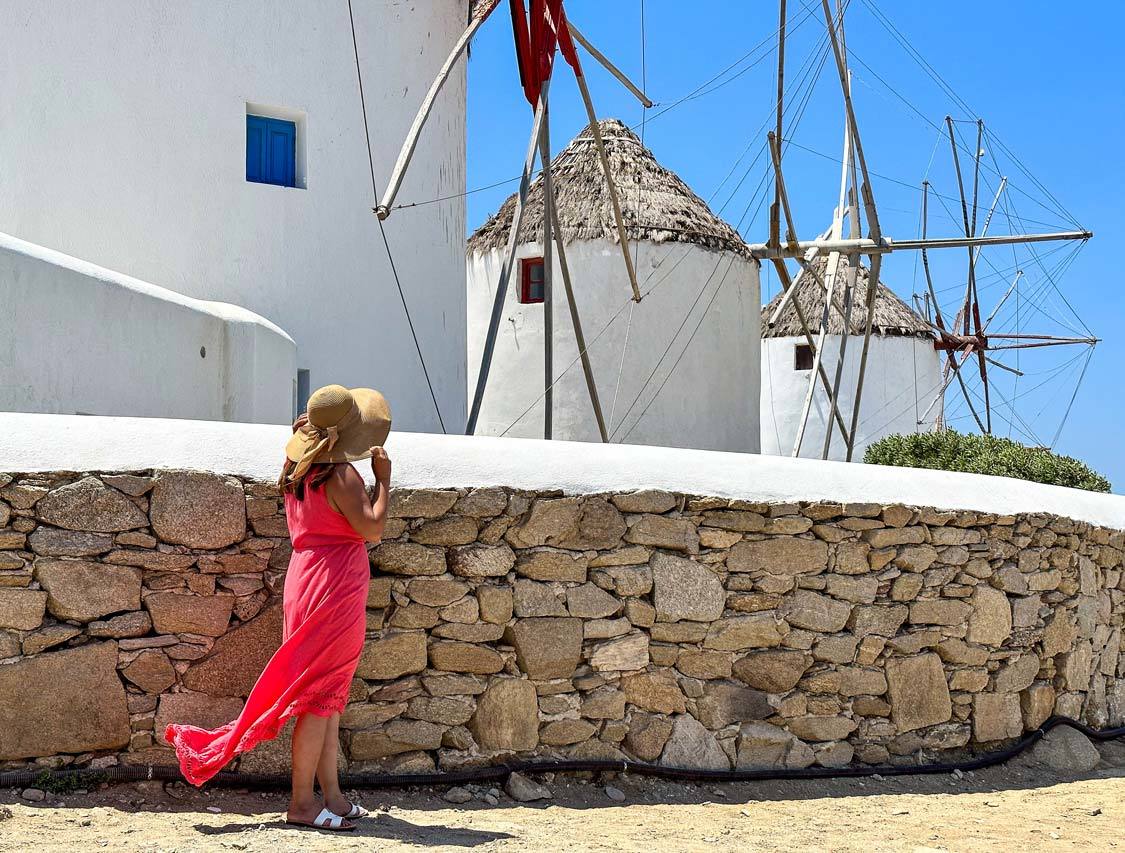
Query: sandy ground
[[1008, 808]]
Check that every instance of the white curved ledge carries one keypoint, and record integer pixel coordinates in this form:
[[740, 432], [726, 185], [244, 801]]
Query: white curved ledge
[[32, 443]]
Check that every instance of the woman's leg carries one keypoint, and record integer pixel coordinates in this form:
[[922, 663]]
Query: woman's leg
[[327, 770], [308, 744]]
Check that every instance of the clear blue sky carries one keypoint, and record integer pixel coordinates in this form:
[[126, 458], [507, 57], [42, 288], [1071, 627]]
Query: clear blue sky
[[1043, 76]]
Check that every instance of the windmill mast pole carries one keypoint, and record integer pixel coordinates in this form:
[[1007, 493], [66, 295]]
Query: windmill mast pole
[[509, 263], [548, 263]]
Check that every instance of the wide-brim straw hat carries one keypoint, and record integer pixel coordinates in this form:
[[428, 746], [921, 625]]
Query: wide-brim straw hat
[[343, 426]]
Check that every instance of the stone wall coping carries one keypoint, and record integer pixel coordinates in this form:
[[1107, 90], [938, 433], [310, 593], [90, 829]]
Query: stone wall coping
[[34, 443]]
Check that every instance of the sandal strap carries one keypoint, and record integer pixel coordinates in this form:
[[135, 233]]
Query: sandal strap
[[328, 820]]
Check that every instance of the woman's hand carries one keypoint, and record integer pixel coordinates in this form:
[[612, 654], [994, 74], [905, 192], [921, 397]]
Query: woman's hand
[[302, 419], [380, 465]]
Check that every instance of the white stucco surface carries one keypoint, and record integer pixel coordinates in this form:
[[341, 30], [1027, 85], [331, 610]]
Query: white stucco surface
[[53, 442], [902, 378], [76, 338], [123, 142], [703, 393]]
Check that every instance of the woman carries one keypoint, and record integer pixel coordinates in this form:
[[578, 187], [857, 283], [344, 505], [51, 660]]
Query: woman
[[309, 677]]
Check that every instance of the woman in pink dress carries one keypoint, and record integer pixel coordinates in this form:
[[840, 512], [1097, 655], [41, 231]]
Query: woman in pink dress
[[331, 520]]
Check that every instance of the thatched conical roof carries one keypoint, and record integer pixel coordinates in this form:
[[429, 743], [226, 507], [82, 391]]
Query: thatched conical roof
[[656, 205], [892, 315]]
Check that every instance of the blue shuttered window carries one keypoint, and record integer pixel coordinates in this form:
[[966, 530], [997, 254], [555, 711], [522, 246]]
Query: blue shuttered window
[[271, 151]]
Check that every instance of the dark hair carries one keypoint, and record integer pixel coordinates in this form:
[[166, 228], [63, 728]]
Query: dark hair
[[317, 474]]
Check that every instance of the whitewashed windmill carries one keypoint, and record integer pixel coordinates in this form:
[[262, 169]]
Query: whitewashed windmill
[[696, 268], [837, 281], [538, 36]]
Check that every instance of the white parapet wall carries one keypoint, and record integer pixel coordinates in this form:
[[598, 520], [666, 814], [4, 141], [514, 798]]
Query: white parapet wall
[[76, 338], [52, 443]]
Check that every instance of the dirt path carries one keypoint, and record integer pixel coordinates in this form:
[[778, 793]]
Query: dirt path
[[1002, 809]]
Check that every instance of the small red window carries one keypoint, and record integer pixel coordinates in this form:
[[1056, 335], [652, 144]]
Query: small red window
[[531, 280]]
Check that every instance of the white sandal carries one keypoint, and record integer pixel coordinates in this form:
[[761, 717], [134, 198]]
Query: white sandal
[[356, 812], [324, 820]]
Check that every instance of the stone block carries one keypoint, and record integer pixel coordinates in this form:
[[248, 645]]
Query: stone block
[[735, 633], [772, 671], [625, 654], [691, 746], [815, 612], [89, 505], [645, 500], [481, 561], [531, 598], [821, 728], [704, 664], [197, 509], [451, 656], [22, 609], [68, 701], [393, 656], [996, 716], [684, 589], [653, 691], [54, 542], [548, 565], [783, 555], [990, 622], [591, 602], [451, 530], [658, 531], [547, 647], [939, 611], [83, 591], [507, 716], [918, 691], [420, 503], [496, 605], [151, 671], [408, 558], [436, 592], [762, 746], [176, 613], [647, 735], [724, 703]]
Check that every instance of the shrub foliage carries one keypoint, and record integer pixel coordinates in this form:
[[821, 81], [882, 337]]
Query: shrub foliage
[[949, 450]]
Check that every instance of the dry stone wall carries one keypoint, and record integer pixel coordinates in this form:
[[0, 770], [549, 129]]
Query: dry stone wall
[[659, 627]]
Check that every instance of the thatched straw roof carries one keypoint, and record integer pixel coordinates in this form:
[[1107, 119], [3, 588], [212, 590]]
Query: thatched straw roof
[[655, 204], [892, 315]]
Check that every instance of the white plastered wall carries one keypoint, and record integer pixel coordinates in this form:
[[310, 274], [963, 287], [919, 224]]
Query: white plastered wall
[[122, 142], [76, 338], [703, 394], [902, 379]]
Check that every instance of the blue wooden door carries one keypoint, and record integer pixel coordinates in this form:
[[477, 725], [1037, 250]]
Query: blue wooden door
[[271, 151]]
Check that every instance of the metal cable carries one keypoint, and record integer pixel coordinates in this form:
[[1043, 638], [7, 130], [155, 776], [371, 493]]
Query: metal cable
[[382, 231]]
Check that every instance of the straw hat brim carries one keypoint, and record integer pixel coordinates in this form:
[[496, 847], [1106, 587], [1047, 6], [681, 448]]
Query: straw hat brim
[[356, 440]]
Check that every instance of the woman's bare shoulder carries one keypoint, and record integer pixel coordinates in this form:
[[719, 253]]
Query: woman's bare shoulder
[[345, 476]]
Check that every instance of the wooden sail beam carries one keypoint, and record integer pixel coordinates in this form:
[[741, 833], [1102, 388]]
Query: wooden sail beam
[[509, 263], [609, 66], [548, 265], [842, 69], [831, 269], [611, 185], [867, 246], [787, 283], [383, 210]]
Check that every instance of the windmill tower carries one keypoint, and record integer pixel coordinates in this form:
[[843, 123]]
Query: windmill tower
[[659, 380], [904, 369]]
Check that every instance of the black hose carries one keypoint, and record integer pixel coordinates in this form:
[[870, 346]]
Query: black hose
[[500, 772]]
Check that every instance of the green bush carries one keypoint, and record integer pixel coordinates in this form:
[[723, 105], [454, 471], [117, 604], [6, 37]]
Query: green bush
[[949, 450]]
